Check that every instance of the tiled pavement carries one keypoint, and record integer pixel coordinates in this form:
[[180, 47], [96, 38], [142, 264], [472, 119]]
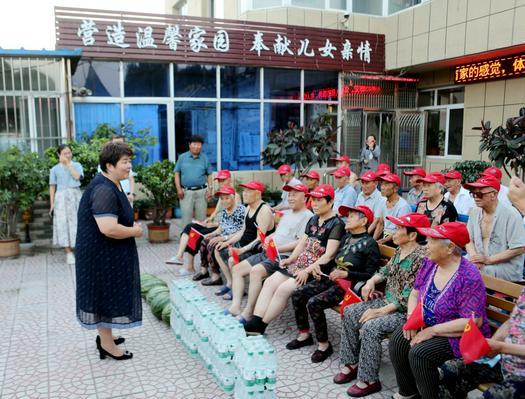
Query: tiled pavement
[[44, 353]]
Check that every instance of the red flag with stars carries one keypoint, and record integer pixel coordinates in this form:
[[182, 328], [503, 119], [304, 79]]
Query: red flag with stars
[[350, 296], [235, 255], [415, 321], [473, 345], [261, 235], [271, 250], [193, 239]]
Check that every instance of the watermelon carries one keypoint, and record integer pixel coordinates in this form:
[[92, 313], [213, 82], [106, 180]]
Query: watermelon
[[166, 313], [153, 292], [159, 302], [148, 284]]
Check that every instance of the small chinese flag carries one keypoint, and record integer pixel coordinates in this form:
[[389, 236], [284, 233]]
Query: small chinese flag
[[261, 235], [279, 213], [235, 255], [415, 321], [473, 344], [350, 296], [193, 239], [271, 250]]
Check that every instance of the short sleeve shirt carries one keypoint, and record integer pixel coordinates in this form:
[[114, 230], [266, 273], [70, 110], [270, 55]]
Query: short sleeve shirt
[[443, 213], [344, 196], [193, 170], [463, 202], [400, 208], [284, 196], [510, 364], [231, 223], [291, 226], [413, 197], [374, 201], [507, 232], [62, 178], [332, 229]]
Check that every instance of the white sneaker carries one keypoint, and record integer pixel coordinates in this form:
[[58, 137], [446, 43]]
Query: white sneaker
[[70, 258], [184, 272], [174, 261]]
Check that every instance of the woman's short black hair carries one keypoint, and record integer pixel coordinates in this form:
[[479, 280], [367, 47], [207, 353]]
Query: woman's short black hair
[[61, 148], [196, 138], [420, 239], [112, 153]]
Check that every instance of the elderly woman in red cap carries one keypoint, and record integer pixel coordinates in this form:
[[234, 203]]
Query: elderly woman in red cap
[[434, 205], [366, 324], [316, 248], [448, 291], [356, 261]]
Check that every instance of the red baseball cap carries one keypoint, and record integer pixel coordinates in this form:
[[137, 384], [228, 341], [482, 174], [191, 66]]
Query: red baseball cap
[[283, 169], [342, 171], [345, 210], [454, 231], [323, 190], [453, 174], [434, 177], [391, 178], [410, 220], [492, 171], [368, 176], [344, 158], [223, 174], [254, 185], [415, 172], [312, 174], [296, 187], [484, 181], [382, 169], [226, 190]]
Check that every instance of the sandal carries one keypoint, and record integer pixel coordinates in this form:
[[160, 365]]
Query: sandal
[[228, 296]]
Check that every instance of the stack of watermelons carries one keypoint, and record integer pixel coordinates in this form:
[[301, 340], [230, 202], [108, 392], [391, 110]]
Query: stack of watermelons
[[157, 294]]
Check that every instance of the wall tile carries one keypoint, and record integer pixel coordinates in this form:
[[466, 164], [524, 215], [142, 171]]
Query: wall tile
[[518, 36], [422, 19], [438, 14], [515, 91], [494, 115], [391, 55], [391, 28], [332, 20], [420, 49], [475, 95], [436, 45], [361, 23], [277, 15], [455, 41], [404, 52], [500, 29], [472, 117], [457, 12], [406, 24], [478, 8], [261, 15], [495, 93], [501, 5], [313, 18], [296, 16], [378, 25], [477, 37]]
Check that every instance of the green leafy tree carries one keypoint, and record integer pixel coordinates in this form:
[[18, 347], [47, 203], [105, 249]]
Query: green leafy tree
[[23, 177], [158, 183], [86, 150], [302, 147]]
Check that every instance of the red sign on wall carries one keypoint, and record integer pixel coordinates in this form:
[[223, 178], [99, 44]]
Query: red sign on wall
[[154, 37], [499, 68]]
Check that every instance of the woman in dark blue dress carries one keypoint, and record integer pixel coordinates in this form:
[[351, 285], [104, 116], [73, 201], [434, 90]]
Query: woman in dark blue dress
[[107, 267]]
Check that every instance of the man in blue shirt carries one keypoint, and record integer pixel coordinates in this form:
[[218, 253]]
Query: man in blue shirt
[[193, 179], [345, 194]]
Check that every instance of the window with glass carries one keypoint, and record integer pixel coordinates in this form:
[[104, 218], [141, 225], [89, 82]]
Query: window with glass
[[240, 136], [101, 78], [146, 79], [444, 120], [280, 116], [320, 86], [283, 84], [239, 82], [195, 80], [89, 115], [309, 3], [399, 5], [196, 117], [373, 7]]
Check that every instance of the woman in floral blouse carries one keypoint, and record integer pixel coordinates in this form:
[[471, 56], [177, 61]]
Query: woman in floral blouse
[[375, 318]]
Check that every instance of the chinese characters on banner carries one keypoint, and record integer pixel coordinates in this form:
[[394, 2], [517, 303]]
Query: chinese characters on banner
[[280, 45], [507, 67]]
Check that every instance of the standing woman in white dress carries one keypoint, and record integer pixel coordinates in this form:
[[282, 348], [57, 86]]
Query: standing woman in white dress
[[64, 197]]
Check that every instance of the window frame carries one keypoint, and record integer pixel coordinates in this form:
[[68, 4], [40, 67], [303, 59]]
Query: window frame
[[436, 107]]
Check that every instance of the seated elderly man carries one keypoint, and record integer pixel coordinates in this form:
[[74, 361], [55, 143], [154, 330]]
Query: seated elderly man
[[344, 160], [345, 194], [416, 192], [286, 174], [457, 194], [496, 231], [393, 206], [503, 195], [290, 228], [371, 197]]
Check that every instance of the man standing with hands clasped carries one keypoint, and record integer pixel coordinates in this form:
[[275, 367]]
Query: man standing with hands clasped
[[193, 179]]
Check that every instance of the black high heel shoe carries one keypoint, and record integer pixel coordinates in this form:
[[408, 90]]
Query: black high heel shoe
[[103, 353], [118, 341]]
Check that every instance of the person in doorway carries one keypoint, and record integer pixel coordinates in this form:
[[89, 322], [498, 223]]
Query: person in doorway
[[415, 194], [64, 197], [287, 177], [345, 193], [193, 179], [456, 193], [393, 206], [496, 232], [434, 205], [370, 154], [371, 197]]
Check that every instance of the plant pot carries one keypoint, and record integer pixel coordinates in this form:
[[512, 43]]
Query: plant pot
[[9, 248], [149, 213], [157, 234]]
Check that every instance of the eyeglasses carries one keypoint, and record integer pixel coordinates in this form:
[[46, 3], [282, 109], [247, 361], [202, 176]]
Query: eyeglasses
[[479, 194]]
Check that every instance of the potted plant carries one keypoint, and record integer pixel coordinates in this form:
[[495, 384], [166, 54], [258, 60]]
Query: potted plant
[[23, 177], [158, 183]]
